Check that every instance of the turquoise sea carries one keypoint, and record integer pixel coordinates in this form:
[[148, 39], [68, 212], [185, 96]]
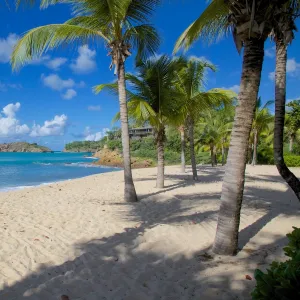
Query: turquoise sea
[[19, 170]]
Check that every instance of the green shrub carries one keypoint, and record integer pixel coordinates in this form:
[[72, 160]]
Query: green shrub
[[292, 160], [282, 280]]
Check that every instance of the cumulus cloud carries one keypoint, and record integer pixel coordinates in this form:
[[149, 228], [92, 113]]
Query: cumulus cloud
[[6, 47], [271, 76], [85, 62], [51, 63], [56, 63], [94, 107], [9, 125], [69, 94], [292, 69], [97, 136], [54, 82], [56, 126], [5, 86], [235, 88], [270, 52]]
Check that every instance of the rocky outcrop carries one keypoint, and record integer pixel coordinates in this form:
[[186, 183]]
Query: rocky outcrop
[[23, 147], [114, 159]]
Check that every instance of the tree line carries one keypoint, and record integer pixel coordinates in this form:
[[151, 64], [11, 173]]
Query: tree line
[[125, 28]]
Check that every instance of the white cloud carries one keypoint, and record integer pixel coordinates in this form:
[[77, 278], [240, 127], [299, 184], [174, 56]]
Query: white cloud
[[56, 126], [5, 86], [94, 107], [85, 62], [292, 69], [270, 52], [54, 82], [46, 60], [97, 136], [235, 88], [9, 125], [6, 47], [271, 76], [69, 94], [56, 63]]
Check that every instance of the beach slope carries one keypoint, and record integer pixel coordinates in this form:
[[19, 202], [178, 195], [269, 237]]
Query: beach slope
[[79, 239]]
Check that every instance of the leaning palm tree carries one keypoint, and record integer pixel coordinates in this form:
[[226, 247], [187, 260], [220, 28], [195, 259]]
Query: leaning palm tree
[[283, 33], [153, 100], [250, 21], [261, 121], [190, 81], [121, 25]]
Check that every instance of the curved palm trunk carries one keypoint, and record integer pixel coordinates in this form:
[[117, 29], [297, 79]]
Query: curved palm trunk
[[160, 139], [129, 192], [254, 159], [280, 98], [192, 149], [226, 240], [182, 139]]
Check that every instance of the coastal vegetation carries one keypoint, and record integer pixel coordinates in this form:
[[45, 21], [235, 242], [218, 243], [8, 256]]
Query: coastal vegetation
[[190, 125], [23, 147], [168, 92]]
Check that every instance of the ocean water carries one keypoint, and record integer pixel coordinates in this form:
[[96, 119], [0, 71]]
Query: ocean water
[[19, 170]]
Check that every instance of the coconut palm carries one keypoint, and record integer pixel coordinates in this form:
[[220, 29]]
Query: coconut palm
[[283, 33], [216, 126], [261, 121], [121, 25], [194, 100], [250, 21], [153, 100]]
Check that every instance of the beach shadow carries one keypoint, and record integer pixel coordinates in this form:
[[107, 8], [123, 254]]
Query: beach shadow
[[128, 266]]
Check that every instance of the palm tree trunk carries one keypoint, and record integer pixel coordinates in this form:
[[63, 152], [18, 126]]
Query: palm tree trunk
[[212, 155], [129, 192], [215, 156], [280, 99], [254, 159], [182, 138], [192, 148], [226, 240], [160, 139], [223, 153], [291, 146]]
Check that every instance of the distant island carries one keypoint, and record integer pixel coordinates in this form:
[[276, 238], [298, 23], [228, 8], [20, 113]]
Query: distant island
[[23, 147]]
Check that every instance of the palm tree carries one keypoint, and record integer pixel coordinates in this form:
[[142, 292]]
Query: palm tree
[[216, 127], [292, 122], [189, 82], [181, 130], [153, 100], [283, 32], [261, 121], [250, 22], [121, 25]]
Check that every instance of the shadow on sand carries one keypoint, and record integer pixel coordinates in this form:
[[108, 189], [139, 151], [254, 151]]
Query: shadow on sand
[[119, 267]]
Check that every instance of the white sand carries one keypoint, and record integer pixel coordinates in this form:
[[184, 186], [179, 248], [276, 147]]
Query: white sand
[[78, 238]]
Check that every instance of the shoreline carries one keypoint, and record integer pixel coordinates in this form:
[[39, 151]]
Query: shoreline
[[79, 238]]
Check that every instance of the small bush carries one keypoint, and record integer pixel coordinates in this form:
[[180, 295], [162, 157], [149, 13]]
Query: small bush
[[292, 160], [282, 280], [114, 144]]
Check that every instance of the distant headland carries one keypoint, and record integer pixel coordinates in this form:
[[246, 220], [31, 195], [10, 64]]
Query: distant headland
[[23, 147]]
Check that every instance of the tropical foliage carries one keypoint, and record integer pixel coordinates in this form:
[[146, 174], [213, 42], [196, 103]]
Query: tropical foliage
[[120, 25]]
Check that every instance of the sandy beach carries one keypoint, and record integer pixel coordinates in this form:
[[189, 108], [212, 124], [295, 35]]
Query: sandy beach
[[79, 239]]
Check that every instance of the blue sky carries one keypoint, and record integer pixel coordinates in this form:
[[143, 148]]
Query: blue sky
[[51, 102]]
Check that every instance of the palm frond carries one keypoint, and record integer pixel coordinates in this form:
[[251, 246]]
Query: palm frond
[[144, 38], [211, 24], [110, 87], [39, 40]]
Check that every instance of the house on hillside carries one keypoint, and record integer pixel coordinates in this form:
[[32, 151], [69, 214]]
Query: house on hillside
[[138, 133]]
